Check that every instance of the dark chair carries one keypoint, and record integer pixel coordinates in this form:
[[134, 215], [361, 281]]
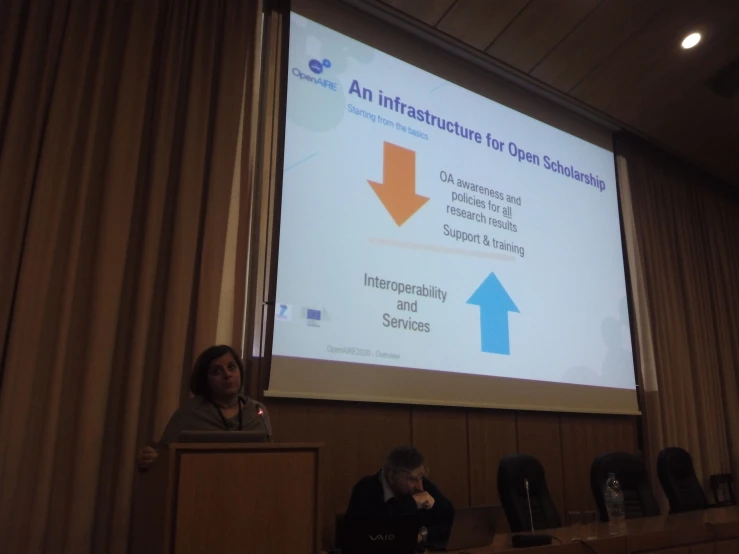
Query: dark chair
[[513, 470], [632, 474], [677, 477]]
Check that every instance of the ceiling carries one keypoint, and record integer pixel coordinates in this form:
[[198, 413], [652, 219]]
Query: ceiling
[[620, 57]]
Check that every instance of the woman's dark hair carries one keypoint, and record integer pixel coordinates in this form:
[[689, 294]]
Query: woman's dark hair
[[199, 377]]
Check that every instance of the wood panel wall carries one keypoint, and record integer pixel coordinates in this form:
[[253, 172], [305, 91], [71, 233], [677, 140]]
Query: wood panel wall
[[462, 447]]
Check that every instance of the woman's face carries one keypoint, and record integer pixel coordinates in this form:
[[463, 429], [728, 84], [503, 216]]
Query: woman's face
[[224, 379]]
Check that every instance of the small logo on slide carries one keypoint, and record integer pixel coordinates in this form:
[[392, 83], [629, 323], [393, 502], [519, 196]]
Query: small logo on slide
[[315, 316], [317, 66], [283, 312]]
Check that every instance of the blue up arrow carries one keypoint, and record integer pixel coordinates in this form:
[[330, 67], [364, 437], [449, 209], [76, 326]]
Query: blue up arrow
[[494, 305]]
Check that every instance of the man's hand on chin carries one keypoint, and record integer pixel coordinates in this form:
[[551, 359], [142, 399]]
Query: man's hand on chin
[[424, 501]]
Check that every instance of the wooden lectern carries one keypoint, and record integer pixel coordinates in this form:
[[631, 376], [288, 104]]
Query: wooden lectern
[[229, 498]]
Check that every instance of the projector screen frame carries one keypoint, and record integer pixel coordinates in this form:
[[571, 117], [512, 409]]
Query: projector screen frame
[[633, 330], [265, 231]]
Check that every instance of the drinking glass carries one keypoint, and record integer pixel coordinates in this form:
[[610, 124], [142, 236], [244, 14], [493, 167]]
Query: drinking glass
[[573, 522], [589, 525]]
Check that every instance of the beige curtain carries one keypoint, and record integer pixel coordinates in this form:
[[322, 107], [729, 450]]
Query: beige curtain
[[119, 135], [682, 230]]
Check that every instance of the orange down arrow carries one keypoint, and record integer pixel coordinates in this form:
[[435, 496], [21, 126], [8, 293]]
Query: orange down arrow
[[398, 190]]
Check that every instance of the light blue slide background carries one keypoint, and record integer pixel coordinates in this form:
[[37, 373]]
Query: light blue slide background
[[572, 324]]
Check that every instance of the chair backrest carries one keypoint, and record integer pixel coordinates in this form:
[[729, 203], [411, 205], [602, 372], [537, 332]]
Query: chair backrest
[[677, 477], [513, 470], [632, 474]]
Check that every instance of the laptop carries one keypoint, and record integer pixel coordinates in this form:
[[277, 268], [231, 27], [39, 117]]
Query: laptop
[[379, 534], [221, 436], [472, 527]]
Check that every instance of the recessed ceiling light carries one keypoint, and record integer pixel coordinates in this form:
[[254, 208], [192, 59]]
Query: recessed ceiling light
[[691, 40]]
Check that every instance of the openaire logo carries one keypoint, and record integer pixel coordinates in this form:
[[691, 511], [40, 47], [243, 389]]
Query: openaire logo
[[317, 67]]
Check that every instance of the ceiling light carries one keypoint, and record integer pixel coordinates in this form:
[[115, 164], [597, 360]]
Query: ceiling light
[[691, 40]]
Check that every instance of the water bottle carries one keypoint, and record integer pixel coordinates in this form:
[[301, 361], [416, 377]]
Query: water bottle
[[615, 506]]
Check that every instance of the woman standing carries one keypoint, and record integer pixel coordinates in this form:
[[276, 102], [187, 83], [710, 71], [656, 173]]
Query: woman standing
[[217, 405]]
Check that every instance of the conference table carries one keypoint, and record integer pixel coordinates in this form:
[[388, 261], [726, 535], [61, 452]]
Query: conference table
[[712, 531]]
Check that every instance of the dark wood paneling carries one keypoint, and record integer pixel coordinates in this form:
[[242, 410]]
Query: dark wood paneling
[[539, 435], [462, 446], [537, 30], [357, 438], [598, 36], [479, 23], [428, 11], [441, 434], [583, 438], [492, 435]]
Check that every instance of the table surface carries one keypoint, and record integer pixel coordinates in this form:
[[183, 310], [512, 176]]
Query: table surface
[[666, 533], [642, 535]]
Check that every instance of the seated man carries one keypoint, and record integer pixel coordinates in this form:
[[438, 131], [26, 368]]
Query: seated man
[[401, 487]]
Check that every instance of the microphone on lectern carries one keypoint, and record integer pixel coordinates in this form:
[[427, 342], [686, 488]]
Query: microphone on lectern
[[260, 413]]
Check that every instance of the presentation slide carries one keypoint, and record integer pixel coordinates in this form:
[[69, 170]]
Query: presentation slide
[[424, 226]]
